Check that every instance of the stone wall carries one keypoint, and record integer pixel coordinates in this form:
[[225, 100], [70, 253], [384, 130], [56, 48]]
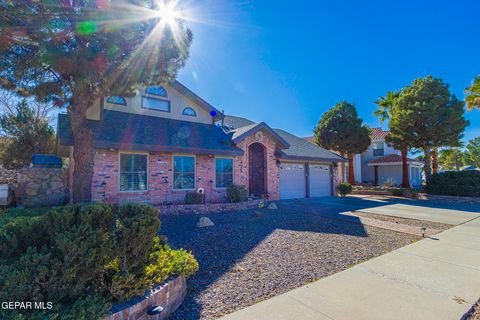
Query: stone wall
[[41, 187], [207, 207], [8, 176], [169, 296]]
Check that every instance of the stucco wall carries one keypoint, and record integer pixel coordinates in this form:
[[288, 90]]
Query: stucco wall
[[177, 103], [390, 172], [368, 174]]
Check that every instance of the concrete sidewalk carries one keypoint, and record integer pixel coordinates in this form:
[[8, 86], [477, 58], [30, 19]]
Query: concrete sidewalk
[[435, 278]]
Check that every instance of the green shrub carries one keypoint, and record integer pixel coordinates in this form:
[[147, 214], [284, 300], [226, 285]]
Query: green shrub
[[84, 257], [404, 192], [194, 198], [455, 183], [344, 188], [236, 193]]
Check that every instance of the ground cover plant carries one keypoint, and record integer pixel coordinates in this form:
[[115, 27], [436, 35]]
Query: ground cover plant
[[83, 258]]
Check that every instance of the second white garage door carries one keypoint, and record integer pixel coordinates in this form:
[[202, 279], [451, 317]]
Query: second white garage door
[[292, 180], [320, 180]]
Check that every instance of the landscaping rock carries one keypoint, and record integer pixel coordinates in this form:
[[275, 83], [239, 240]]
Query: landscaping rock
[[272, 206], [204, 222]]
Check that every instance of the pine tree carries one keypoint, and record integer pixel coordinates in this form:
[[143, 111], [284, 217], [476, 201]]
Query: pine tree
[[74, 53], [341, 129], [429, 116]]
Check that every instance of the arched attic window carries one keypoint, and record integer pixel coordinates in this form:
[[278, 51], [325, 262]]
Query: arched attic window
[[117, 100], [158, 91], [188, 111]]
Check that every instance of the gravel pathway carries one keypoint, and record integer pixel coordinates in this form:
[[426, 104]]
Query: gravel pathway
[[253, 255]]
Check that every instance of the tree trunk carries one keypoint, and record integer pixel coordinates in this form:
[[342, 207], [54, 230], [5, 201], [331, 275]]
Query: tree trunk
[[351, 173], [426, 152], [405, 176], [83, 151], [434, 161]]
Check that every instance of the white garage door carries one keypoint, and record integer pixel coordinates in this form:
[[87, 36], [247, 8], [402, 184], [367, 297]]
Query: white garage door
[[320, 180], [292, 180]]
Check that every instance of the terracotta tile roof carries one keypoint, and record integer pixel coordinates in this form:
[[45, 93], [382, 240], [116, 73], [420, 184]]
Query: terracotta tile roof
[[391, 158], [378, 134]]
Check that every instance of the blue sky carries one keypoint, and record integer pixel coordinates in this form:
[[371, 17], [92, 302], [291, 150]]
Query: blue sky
[[287, 62]]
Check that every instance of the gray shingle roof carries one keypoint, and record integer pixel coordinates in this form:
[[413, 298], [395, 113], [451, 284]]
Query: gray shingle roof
[[127, 131], [243, 132], [234, 122], [300, 149]]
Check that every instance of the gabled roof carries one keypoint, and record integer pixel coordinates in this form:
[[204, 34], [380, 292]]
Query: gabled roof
[[298, 148], [127, 131], [234, 122], [192, 95], [378, 134], [392, 159], [301, 149], [243, 132]]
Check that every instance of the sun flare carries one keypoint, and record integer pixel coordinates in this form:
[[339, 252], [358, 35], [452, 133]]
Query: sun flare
[[168, 13]]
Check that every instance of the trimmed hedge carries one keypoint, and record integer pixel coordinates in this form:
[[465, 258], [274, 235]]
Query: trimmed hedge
[[455, 183], [83, 258]]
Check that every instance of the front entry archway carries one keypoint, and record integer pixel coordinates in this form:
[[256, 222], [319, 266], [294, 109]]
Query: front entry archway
[[256, 170]]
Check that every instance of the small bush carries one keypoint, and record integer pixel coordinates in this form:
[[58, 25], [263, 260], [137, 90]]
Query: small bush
[[194, 198], [404, 192], [344, 188], [389, 183], [82, 258], [236, 193], [455, 183]]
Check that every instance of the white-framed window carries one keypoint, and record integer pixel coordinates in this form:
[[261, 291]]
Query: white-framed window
[[188, 111], [158, 91], [117, 100], [378, 149], [223, 172], [133, 172], [183, 172], [155, 104]]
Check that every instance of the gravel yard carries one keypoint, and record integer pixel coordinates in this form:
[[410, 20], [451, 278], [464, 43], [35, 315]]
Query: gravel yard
[[253, 255]]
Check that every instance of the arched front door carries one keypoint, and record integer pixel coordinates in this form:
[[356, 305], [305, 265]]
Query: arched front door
[[256, 169]]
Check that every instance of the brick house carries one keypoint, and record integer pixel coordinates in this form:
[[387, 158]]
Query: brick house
[[167, 141]]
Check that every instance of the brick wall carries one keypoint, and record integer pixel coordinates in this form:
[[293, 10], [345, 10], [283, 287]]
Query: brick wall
[[160, 170], [106, 169], [272, 168], [169, 295]]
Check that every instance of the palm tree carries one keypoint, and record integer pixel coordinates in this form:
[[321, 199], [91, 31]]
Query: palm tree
[[472, 94], [384, 107]]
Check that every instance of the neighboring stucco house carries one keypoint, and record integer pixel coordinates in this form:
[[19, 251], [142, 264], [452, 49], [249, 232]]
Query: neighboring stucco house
[[381, 162], [167, 141]]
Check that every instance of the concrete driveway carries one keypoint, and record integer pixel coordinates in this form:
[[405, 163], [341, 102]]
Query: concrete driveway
[[436, 278], [453, 214]]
